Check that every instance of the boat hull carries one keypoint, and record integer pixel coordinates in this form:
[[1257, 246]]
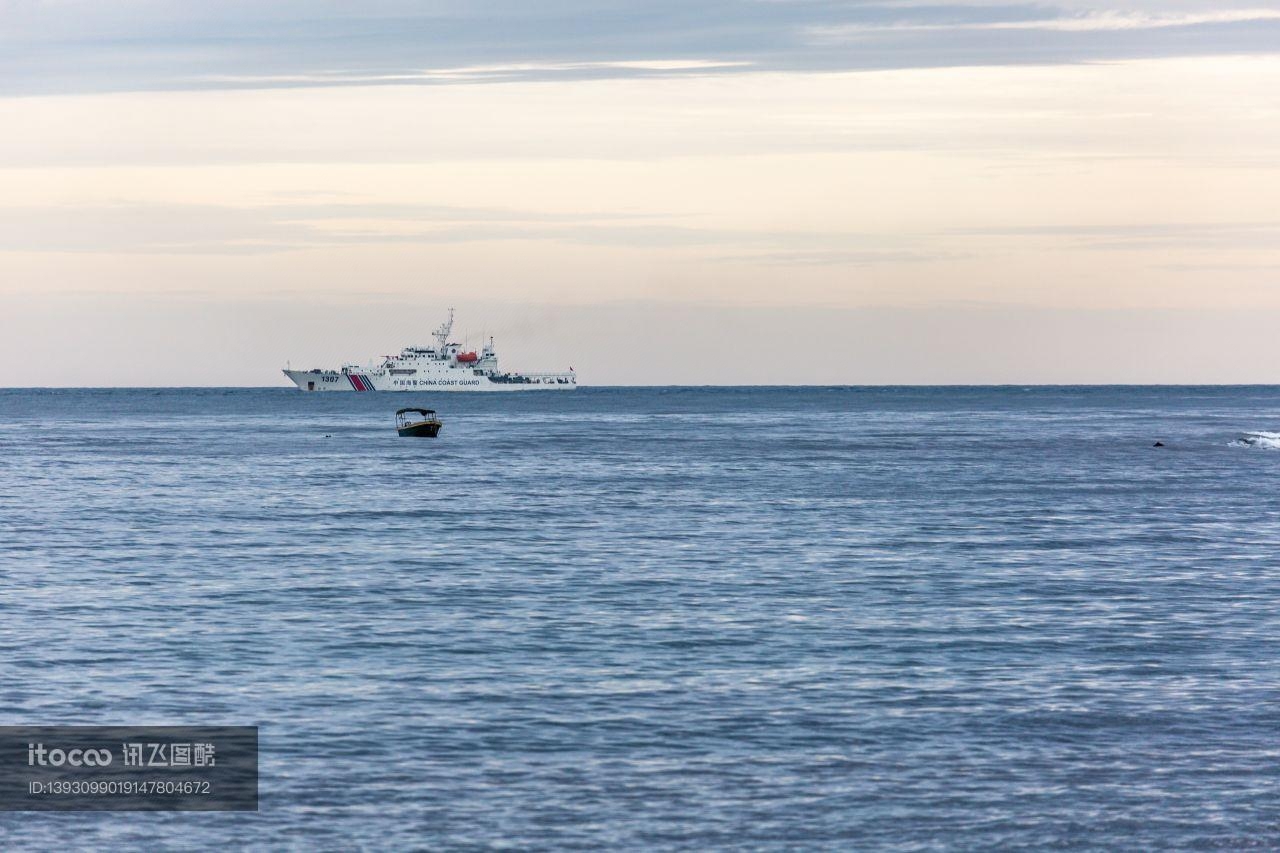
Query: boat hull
[[380, 380], [427, 429]]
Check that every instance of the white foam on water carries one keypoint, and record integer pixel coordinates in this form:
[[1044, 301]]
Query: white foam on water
[[1264, 440]]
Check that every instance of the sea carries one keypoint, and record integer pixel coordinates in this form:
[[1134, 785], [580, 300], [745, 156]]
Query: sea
[[839, 618]]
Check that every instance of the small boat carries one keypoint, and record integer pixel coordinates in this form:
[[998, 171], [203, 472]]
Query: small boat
[[417, 423]]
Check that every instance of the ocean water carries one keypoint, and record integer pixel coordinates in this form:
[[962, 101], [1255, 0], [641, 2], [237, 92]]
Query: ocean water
[[824, 618]]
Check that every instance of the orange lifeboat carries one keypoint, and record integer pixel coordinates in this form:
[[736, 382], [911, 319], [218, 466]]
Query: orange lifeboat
[[467, 357]]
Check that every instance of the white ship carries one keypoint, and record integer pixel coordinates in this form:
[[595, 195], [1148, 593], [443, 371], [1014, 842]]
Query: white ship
[[443, 367]]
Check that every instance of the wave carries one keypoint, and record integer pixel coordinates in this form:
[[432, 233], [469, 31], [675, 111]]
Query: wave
[[1264, 440]]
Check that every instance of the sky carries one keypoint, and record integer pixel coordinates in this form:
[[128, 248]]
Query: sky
[[652, 192]]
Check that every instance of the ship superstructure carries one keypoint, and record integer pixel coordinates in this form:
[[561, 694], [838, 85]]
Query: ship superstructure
[[443, 367]]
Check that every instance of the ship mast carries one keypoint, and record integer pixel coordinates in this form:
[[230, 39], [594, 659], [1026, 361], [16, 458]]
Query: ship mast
[[442, 334]]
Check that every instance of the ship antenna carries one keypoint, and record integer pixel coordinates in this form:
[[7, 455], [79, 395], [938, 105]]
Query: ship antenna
[[442, 333]]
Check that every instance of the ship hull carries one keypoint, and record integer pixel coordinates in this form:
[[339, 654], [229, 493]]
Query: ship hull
[[381, 380]]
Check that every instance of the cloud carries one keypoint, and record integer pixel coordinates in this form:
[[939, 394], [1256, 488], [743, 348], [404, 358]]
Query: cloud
[[841, 257], [1112, 20], [83, 46], [234, 230], [215, 229], [1212, 236], [1090, 21], [480, 73]]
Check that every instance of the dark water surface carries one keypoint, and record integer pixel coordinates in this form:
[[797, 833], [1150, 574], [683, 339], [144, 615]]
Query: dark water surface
[[674, 618]]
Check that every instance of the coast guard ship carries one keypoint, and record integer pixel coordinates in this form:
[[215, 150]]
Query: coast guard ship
[[443, 367]]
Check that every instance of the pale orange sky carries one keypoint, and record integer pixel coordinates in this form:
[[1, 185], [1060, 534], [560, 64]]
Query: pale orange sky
[[1093, 222]]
